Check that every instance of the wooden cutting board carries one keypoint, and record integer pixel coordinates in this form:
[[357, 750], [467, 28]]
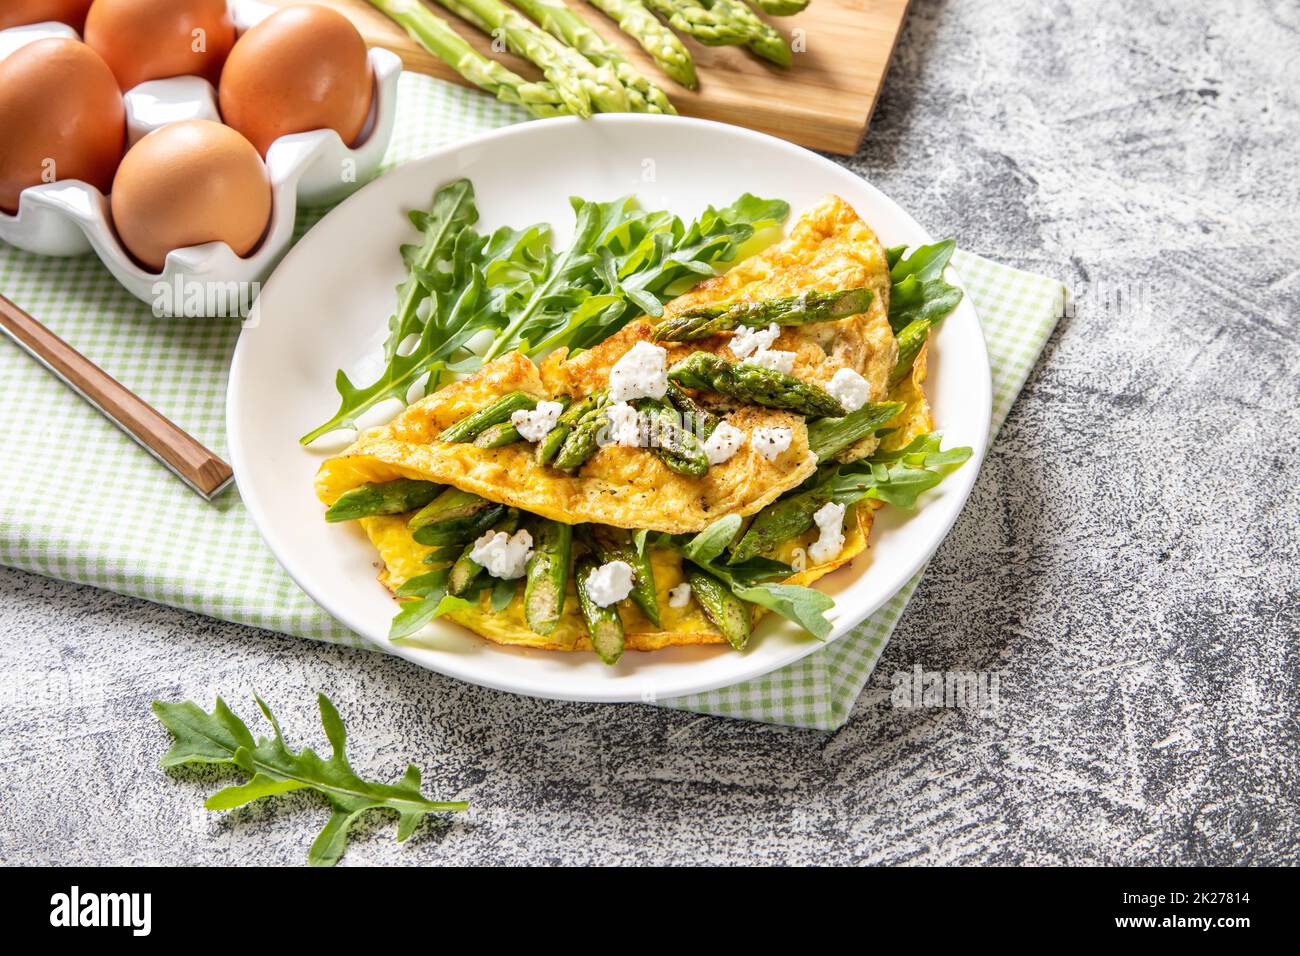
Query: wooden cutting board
[[823, 101]]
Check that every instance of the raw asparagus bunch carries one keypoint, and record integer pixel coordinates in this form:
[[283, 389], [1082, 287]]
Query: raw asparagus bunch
[[580, 83], [656, 39], [563, 24], [437, 36], [755, 385], [763, 38], [799, 309], [780, 8]]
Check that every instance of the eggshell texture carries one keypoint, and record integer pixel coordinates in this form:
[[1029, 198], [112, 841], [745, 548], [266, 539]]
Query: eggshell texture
[[14, 13], [189, 183], [153, 39], [61, 117], [302, 68]]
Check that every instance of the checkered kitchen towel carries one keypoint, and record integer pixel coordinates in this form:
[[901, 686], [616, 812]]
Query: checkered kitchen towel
[[99, 525]]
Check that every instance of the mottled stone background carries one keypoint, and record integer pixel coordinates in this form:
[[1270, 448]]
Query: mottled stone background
[[1128, 560]]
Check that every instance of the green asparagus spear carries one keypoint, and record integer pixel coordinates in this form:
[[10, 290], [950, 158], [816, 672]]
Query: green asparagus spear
[[460, 530], [497, 436], [564, 24], [785, 519], [827, 437], [615, 544], [579, 82], [695, 417], [727, 612], [755, 385], [583, 439], [763, 39], [676, 447], [550, 446], [910, 339], [547, 575], [699, 19], [780, 8], [465, 571], [604, 626], [799, 309], [382, 498], [656, 39], [493, 413], [437, 36]]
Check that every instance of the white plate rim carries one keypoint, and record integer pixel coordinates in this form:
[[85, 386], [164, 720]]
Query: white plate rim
[[957, 485]]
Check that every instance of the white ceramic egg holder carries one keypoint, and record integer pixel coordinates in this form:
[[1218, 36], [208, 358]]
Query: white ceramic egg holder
[[71, 217]]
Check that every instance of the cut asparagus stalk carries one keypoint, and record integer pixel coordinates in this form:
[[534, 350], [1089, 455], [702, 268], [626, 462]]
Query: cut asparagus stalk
[[676, 447], [827, 437], [581, 84], [911, 338], [656, 39], [465, 570], [727, 612], [383, 498], [781, 521], [437, 36], [583, 439], [695, 417], [604, 626], [755, 385], [497, 436], [493, 413], [547, 575], [802, 309], [780, 8], [615, 544], [460, 530], [451, 504], [550, 446], [564, 24]]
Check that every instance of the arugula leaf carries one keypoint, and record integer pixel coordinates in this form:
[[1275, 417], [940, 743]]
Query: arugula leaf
[[807, 607], [221, 737], [898, 477], [919, 290], [432, 601], [712, 541]]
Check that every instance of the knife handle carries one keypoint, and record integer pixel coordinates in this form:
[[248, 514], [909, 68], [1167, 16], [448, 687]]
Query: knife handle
[[181, 452]]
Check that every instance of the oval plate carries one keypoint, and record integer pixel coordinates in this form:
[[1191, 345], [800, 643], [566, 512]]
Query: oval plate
[[328, 303]]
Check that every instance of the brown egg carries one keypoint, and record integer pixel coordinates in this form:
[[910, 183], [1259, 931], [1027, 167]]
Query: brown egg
[[153, 39], [14, 13], [301, 69], [188, 183], [61, 117]]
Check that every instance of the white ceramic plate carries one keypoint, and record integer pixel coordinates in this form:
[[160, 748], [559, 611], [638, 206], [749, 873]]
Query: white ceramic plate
[[327, 304]]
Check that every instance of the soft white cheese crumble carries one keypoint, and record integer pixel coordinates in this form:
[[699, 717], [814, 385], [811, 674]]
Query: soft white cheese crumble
[[830, 522], [725, 441], [642, 372], [680, 596], [746, 340], [610, 583], [850, 389], [503, 555], [771, 442], [776, 360], [624, 425], [536, 424]]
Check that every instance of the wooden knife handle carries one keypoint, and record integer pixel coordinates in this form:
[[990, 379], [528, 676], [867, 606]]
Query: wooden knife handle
[[178, 450]]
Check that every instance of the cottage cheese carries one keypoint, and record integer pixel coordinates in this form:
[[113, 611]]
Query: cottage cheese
[[771, 442], [503, 555], [610, 583], [850, 389], [776, 360], [745, 341], [624, 426], [642, 372], [830, 522], [536, 424], [725, 441], [680, 596]]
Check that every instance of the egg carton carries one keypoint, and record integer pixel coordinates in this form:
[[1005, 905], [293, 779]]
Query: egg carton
[[69, 218]]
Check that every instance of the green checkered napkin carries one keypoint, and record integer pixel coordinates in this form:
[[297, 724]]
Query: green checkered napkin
[[81, 502]]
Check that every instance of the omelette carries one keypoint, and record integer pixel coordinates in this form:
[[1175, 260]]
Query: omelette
[[473, 509]]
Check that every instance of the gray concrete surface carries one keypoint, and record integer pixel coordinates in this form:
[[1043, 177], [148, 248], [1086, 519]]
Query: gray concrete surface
[[1128, 560]]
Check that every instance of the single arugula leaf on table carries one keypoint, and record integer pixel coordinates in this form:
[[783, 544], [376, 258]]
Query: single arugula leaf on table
[[220, 737]]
